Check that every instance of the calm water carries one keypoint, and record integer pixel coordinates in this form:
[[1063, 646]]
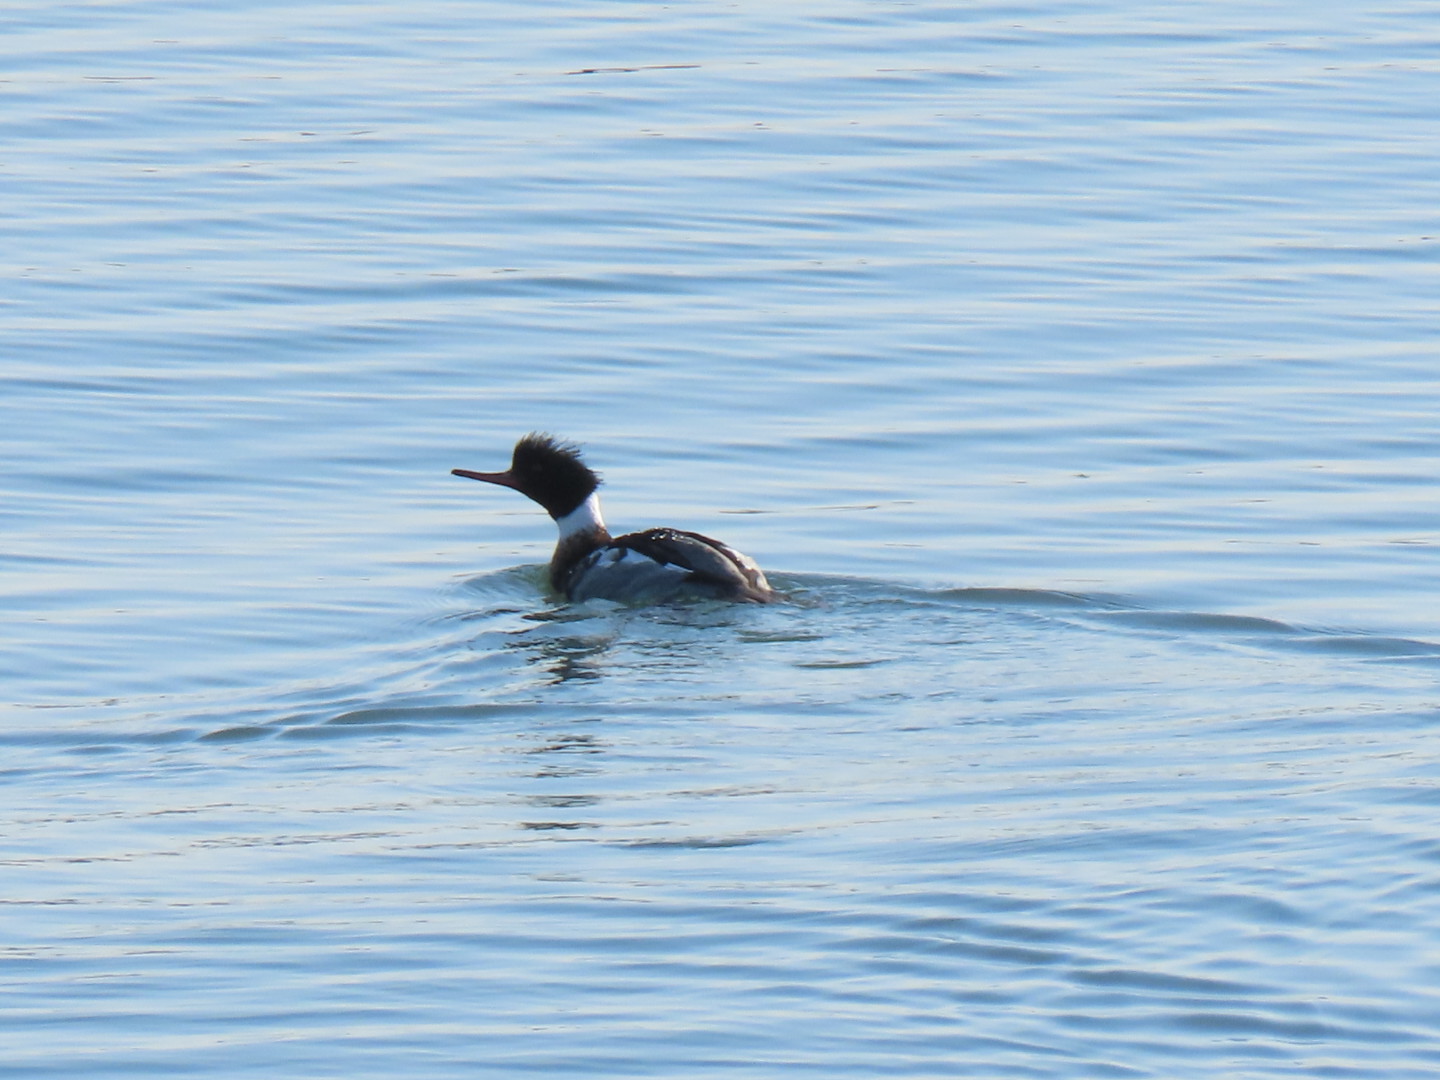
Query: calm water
[[1073, 367]]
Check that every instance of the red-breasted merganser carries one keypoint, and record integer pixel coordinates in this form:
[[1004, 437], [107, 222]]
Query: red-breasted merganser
[[589, 563]]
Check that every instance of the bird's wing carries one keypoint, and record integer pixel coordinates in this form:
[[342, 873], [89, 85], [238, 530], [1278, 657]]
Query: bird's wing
[[704, 558]]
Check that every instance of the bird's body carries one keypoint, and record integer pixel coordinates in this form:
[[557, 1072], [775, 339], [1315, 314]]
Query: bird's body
[[640, 567]]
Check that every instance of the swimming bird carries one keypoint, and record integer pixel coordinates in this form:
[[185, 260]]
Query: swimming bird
[[589, 563]]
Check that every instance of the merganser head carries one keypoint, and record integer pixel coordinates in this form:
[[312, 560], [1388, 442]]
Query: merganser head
[[546, 470]]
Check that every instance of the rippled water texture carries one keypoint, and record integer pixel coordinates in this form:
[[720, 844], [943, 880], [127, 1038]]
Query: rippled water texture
[[1072, 368]]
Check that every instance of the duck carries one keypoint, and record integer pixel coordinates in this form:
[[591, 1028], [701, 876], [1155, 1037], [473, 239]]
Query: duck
[[650, 566]]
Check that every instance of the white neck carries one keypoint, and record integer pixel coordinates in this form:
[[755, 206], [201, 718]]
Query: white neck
[[585, 518]]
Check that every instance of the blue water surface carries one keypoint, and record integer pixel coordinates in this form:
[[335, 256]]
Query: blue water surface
[[1070, 367]]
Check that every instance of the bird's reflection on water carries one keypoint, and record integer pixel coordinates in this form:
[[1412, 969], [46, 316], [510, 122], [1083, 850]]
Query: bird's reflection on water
[[581, 644], [570, 658]]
